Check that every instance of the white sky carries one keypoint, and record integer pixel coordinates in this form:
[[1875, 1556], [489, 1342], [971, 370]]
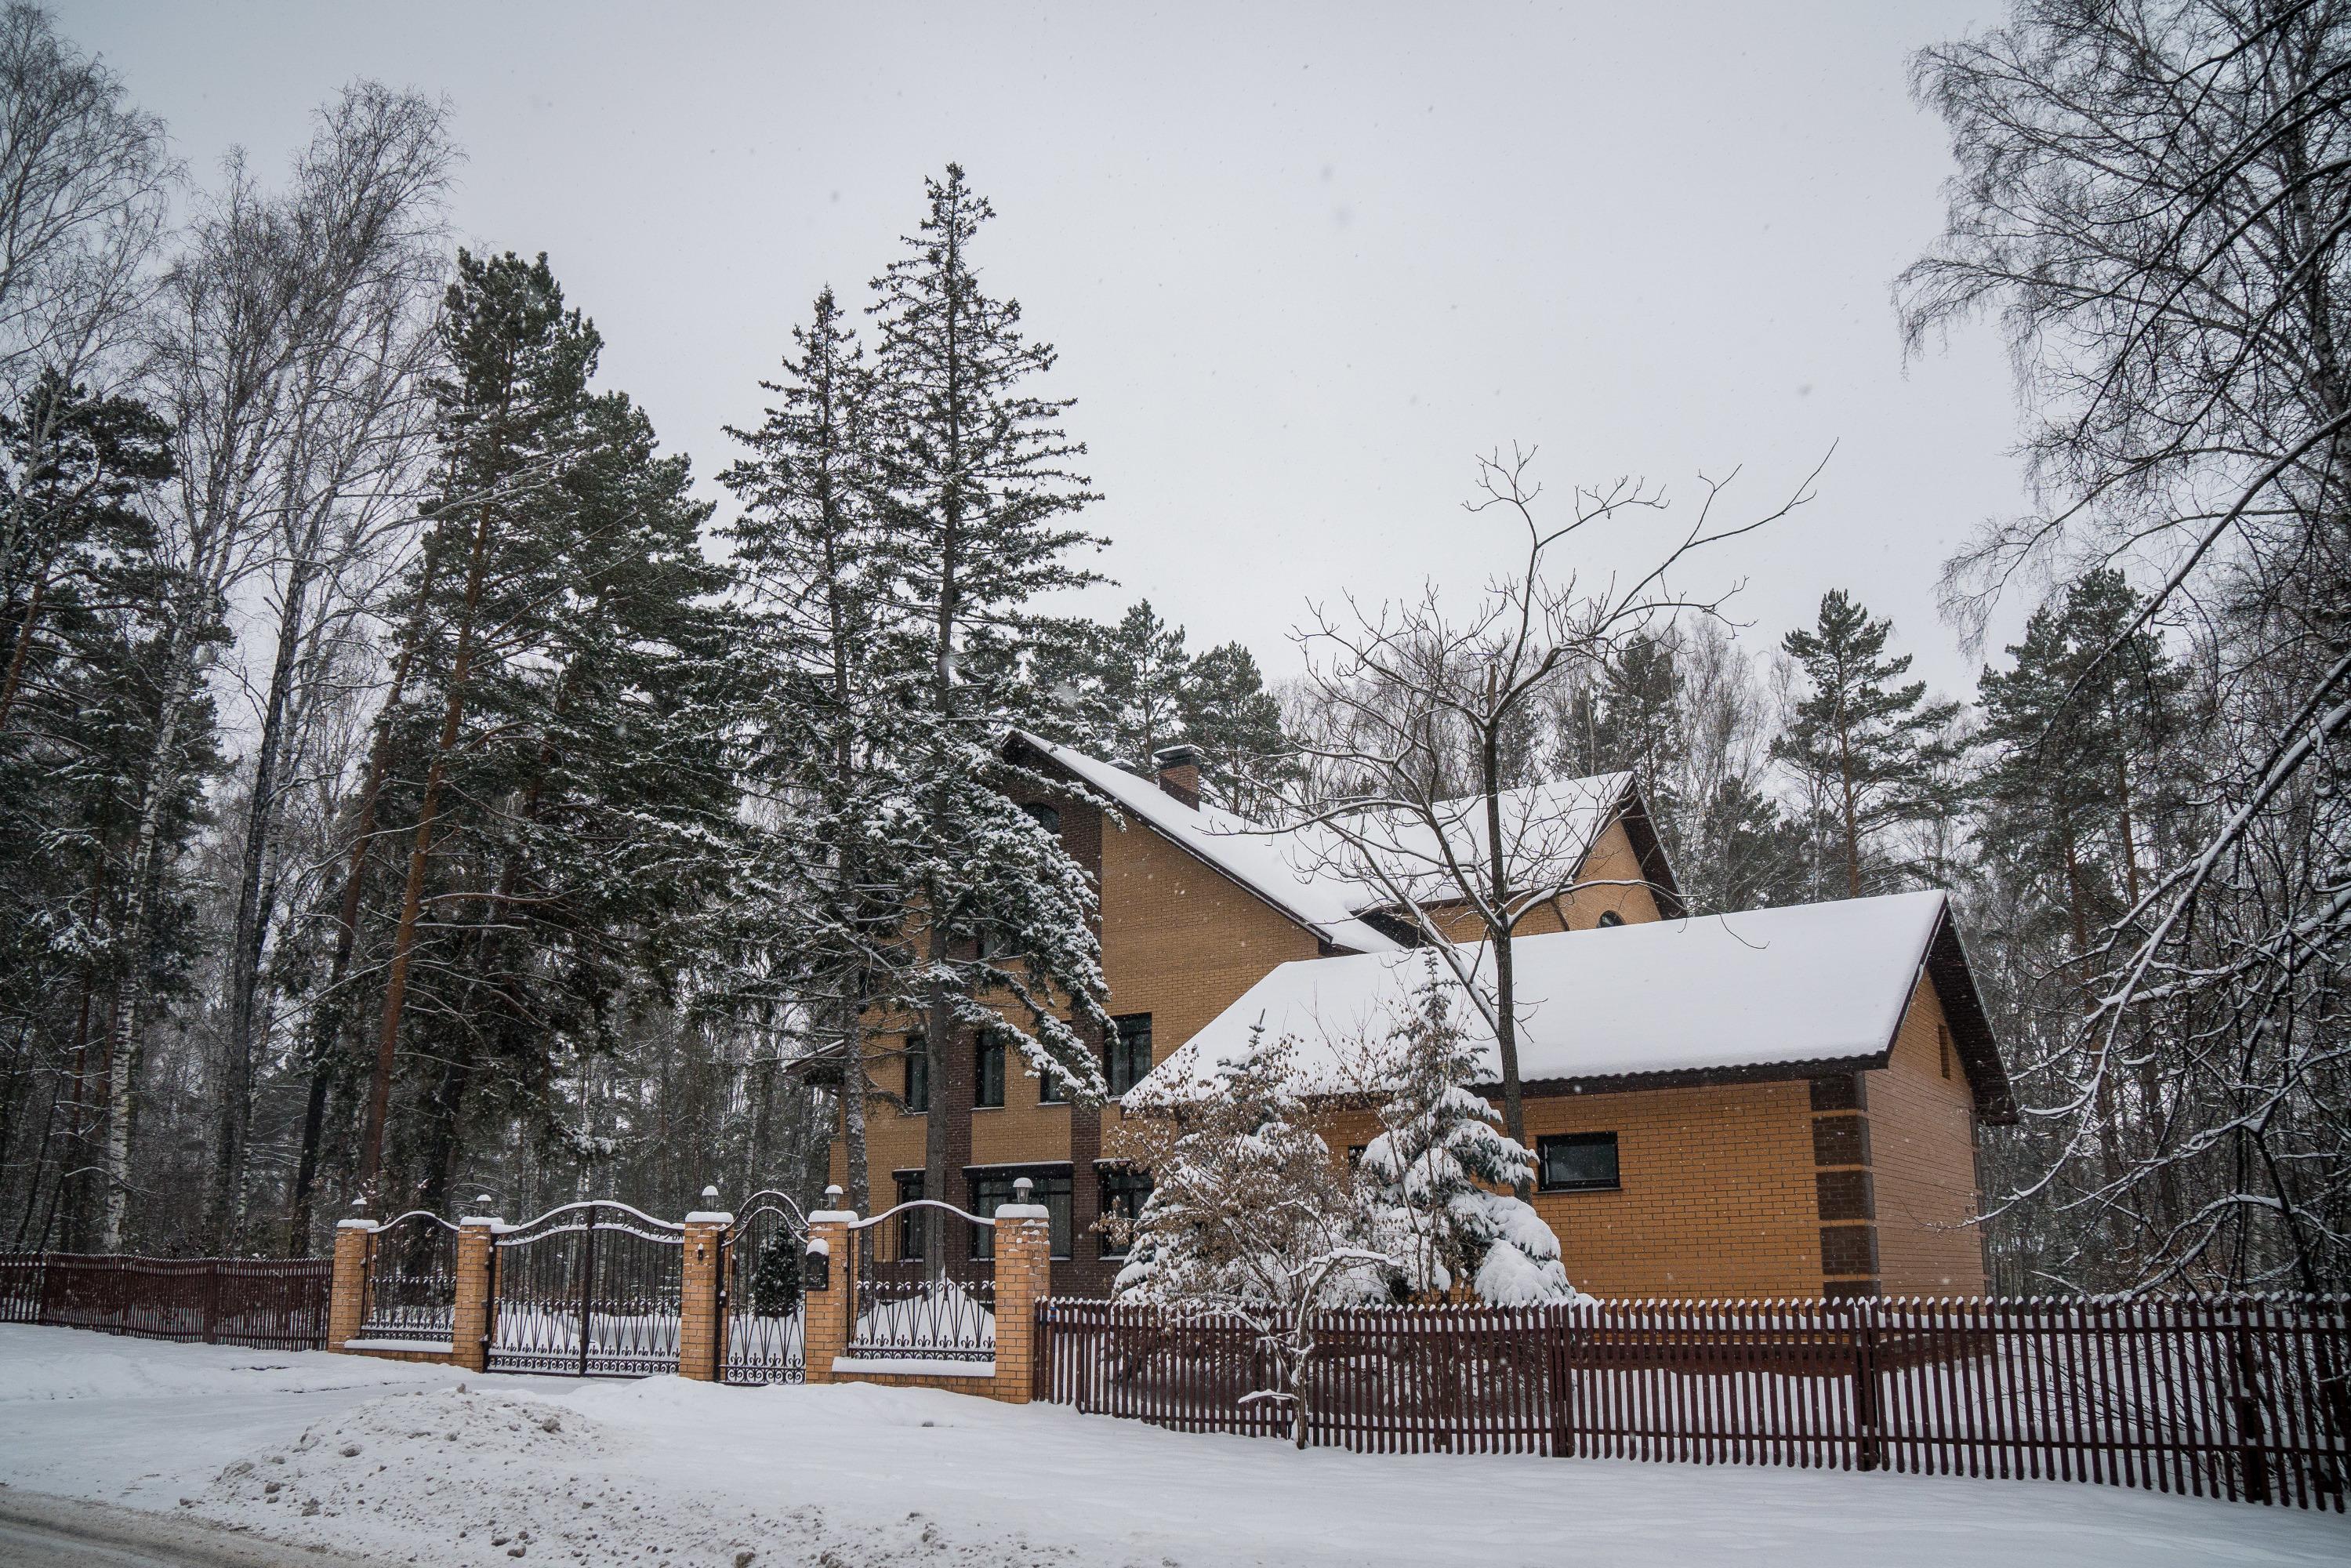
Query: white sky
[[1301, 266]]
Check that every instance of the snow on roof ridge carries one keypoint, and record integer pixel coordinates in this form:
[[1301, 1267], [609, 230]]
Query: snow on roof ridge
[[1801, 983]]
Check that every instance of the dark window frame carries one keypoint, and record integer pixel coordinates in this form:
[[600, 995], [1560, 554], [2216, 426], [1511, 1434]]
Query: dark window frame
[[1544, 1145], [917, 1084], [1120, 1072], [912, 1227], [1046, 817], [988, 1075], [1050, 1185]]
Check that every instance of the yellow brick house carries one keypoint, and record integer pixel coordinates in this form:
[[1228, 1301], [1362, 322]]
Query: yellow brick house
[[1774, 1103]]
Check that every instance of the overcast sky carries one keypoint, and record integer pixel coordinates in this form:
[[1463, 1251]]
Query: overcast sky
[[1301, 262]]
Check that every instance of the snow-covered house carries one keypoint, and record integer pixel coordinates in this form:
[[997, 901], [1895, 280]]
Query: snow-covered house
[[1716, 1162], [1781, 1102]]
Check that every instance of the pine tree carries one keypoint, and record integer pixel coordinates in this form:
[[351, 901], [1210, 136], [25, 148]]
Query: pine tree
[[1246, 754], [1871, 750], [1441, 1176], [567, 777], [979, 492]]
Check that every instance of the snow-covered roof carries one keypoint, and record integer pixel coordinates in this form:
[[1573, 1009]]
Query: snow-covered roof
[[1817, 982], [1267, 864]]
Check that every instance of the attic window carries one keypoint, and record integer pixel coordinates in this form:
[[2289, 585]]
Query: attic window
[[1610, 917], [1943, 1042], [1044, 816]]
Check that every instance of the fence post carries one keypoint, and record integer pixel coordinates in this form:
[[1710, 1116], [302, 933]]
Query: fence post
[[347, 1296], [1024, 1245], [826, 1313], [1866, 1415], [212, 1301], [470, 1318], [701, 1335]]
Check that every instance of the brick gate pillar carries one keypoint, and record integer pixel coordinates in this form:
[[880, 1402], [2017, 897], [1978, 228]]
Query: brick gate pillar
[[347, 1290], [469, 1328], [701, 1337], [825, 1318], [1024, 1245]]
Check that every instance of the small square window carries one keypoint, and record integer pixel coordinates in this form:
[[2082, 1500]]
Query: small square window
[[1578, 1162], [1130, 1053], [987, 1075], [918, 1075], [1124, 1191]]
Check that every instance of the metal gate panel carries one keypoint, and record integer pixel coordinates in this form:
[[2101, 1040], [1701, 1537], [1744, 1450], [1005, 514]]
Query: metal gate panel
[[589, 1290], [762, 1304]]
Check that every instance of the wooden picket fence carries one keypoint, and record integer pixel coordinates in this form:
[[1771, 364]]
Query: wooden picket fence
[[2242, 1399], [269, 1304]]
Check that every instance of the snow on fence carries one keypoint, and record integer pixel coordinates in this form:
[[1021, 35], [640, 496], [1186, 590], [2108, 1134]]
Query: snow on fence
[[268, 1303], [2247, 1398]]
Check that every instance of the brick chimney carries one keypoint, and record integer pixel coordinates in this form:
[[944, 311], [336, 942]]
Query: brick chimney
[[1179, 772]]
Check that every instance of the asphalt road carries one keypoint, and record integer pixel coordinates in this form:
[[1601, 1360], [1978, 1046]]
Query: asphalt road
[[42, 1532]]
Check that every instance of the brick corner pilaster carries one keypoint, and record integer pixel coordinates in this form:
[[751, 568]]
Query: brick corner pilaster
[[347, 1290], [1023, 1275], [472, 1323], [826, 1312], [700, 1334]]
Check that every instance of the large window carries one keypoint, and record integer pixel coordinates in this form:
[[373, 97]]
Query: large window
[[1124, 1192], [918, 1075], [987, 1073], [1578, 1162], [992, 1190], [1130, 1051], [912, 1225]]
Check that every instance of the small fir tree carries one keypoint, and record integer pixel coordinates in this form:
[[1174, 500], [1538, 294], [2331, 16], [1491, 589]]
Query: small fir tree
[[1440, 1176]]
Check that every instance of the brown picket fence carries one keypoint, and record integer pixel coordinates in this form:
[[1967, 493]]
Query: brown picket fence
[[2244, 1398], [268, 1303]]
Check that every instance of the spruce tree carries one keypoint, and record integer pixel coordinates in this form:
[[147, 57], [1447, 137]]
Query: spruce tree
[[1874, 753], [1442, 1175], [977, 512], [820, 933]]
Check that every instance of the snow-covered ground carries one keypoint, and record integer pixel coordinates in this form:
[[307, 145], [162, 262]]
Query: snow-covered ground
[[403, 1463]]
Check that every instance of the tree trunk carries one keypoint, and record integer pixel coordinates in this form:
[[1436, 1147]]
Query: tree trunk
[[324, 1022], [249, 935], [1506, 996], [122, 1060], [403, 946], [23, 650]]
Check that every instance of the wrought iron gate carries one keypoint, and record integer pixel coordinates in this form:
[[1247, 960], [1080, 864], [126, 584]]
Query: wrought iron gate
[[412, 1281], [588, 1290], [762, 1308]]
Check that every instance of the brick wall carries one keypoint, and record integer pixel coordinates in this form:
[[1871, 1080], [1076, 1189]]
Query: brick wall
[[1179, 942], [1716, 1197], [1612, 861], [1922, 1161]]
